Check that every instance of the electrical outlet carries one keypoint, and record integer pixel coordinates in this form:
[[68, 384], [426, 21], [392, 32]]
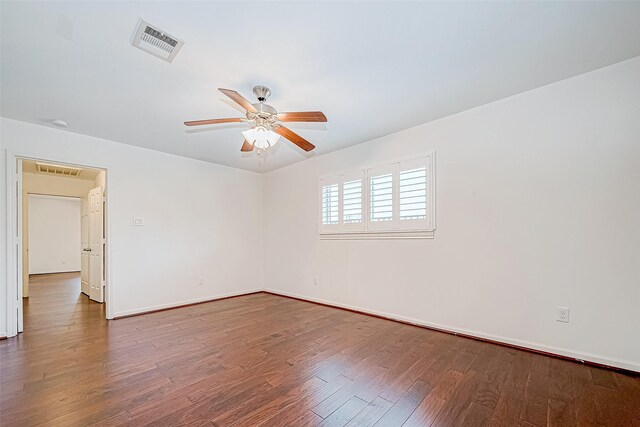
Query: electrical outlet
[[316, 280], [562, 314], [200, 281], [138, 221]]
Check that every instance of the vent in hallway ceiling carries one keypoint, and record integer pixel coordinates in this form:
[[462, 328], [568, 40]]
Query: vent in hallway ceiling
[[57, 169], [153, 40]]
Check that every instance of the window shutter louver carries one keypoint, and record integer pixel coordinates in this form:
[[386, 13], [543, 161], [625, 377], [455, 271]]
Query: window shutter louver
[[414, 191], [381, 198], [330, 203], [413, 194], [353, 201]]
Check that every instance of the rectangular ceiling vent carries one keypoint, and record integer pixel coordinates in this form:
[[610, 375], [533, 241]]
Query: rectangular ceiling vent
[[153, 40], [57, 169]]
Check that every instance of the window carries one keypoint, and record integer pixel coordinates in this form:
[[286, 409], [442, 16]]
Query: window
[[391, 200]]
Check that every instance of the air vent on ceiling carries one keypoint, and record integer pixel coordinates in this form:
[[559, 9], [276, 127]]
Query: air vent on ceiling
[[156, 42], [57, 169]]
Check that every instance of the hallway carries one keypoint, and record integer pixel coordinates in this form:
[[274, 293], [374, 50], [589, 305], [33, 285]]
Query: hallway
[[56, 304]]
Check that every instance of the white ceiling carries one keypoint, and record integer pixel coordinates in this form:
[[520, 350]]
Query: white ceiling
[[373, 68]]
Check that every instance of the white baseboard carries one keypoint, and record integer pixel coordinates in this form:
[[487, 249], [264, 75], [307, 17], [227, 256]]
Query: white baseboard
[[143, 310], [594, 358], [54, 272]]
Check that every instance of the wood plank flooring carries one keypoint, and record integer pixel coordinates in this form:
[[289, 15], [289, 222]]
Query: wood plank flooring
[[264, 360]]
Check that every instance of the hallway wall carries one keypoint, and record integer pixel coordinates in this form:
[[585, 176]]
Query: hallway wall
[[54, 234]]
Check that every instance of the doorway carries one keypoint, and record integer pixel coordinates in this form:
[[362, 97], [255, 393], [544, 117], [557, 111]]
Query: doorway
[[63, 238]]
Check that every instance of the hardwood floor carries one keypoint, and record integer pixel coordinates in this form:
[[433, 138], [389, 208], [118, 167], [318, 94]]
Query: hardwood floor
[[273, 361]]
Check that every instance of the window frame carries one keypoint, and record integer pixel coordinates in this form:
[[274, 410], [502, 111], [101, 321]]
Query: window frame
[[396, 228]]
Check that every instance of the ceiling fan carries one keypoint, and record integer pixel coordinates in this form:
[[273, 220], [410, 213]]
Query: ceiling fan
[[266, 129]]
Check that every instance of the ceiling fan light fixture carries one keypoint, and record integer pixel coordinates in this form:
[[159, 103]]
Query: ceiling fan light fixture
[[261, 137], [266, 130]]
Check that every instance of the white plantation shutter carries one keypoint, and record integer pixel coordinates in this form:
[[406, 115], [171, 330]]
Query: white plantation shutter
[[382, 197], [330, 204], [353, 201], [395, 200], [413, 194]]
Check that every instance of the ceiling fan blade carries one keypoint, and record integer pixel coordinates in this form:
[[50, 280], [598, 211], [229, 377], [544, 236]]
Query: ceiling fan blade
[[294, 137], [246, 147], [213, 121], [304, 116], [239, 99]]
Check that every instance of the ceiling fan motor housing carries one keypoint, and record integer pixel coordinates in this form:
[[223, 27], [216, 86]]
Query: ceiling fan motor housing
[[266, 114], [261, 92]]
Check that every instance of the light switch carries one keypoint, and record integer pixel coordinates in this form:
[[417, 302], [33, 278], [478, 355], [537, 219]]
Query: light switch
[[138, 221]]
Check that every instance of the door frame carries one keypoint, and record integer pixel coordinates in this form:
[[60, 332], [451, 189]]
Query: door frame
[[14, 234]]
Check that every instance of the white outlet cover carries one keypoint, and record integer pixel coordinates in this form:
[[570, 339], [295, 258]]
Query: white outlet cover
[[562, 314], [138, 221]]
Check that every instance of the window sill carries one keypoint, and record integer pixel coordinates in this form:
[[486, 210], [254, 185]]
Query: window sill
[[378, 235]]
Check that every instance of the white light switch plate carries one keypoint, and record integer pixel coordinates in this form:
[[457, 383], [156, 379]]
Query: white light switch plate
[[138, 221]]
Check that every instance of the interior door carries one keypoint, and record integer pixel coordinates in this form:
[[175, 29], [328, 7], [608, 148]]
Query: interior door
[[19, 254], [84, 237], [96, 244], [25, 244]]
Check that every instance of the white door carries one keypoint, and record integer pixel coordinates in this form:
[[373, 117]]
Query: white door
[[96, 244], [84, 238], [19, 253], [25, 244]]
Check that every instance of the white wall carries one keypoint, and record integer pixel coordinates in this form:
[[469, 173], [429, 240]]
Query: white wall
[[538, 206], [201, 219], [53, 185], [54, 234]]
